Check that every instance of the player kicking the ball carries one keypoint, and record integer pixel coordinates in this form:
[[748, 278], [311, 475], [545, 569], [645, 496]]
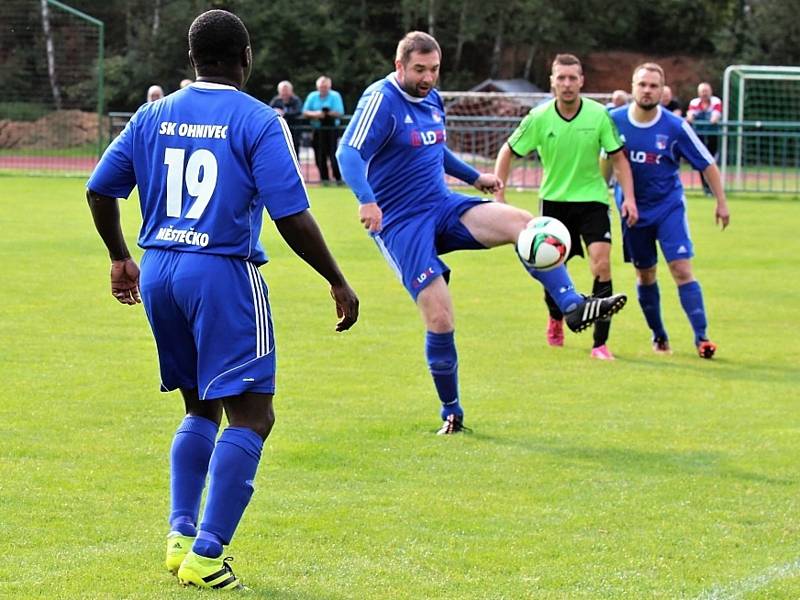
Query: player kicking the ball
[[655, 141], [394, 157]]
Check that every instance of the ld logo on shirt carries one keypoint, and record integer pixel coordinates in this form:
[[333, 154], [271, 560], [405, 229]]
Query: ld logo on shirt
[[427, 138]]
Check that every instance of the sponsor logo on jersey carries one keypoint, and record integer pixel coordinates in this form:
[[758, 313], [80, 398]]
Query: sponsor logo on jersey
[[661, 141], [427, 137], [644, 158], [408, 120], [422, 277]]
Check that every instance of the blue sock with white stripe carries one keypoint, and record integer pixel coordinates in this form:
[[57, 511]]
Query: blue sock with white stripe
[[691, 296], [233, 468], [440, 350], [650, 301], [191, 450], [559, 285]]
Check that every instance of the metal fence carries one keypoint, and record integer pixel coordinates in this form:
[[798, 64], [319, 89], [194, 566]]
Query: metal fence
[[754, 156]]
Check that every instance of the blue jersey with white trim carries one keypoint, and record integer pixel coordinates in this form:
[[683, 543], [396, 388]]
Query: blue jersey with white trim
[[207, 160], [654, 151], [402, 139]]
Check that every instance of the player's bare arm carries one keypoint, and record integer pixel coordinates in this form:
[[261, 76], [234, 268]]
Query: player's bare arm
[[501, 168], [622, 170], [304, 237], [722, 215], [124, 270]]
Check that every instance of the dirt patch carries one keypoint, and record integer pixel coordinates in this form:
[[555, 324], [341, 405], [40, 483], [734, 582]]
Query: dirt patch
[[58, 129]]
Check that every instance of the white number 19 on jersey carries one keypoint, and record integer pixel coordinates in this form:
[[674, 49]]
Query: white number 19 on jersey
[[202, 189]]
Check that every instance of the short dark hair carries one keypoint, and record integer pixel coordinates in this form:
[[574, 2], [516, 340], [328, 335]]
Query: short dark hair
[[651, 66], [416, 41], [567, 60], [217, 37]]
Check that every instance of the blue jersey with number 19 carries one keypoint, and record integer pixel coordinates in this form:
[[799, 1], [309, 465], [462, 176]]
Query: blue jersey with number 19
[[207, 160]]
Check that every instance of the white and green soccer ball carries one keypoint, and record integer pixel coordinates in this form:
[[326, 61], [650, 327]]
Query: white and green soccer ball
[[544, 243]]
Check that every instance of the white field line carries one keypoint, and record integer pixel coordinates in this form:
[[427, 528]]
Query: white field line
[[750, 584]]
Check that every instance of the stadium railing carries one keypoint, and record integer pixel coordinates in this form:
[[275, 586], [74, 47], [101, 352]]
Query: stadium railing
[[761, 156]]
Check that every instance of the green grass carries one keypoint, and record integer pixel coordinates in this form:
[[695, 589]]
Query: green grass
[[71, 151], [649, 477]]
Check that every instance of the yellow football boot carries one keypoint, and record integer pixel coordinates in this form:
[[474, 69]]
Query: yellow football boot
[[205, 572], [177, 547]]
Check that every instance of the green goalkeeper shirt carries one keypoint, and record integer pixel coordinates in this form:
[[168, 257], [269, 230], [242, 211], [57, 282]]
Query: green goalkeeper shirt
[[569, 149]]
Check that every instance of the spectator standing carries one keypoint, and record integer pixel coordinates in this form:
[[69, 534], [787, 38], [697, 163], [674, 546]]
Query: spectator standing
[[704, 114], [290, 107], [155, 92], [324, 107], [618, 98], [670, 103]]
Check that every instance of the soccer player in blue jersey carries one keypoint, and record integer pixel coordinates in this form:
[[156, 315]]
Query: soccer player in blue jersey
[[655, 141], [207, 161], [394, 157]]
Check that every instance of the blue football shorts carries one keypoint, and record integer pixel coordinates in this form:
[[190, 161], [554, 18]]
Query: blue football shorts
[[668, 225], [412, 246], [212, 324]]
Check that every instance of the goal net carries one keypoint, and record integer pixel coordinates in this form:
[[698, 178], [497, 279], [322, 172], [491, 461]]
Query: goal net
[[761, 132], [50, 88]]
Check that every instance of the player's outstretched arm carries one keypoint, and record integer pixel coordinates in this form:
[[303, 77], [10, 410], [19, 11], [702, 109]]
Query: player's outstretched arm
[[303, 235], [354, 171], [124, 270], [501, 168], [722, 215], [622, 170]]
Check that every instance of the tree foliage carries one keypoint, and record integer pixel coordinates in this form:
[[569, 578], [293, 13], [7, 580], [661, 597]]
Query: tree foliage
[[353, 41]]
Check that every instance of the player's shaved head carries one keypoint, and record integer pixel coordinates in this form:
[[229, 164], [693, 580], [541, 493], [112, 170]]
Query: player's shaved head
[[566, 60], [217, 38], [416, 41]]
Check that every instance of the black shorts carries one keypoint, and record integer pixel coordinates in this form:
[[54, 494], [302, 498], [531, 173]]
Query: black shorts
[[589, 221]]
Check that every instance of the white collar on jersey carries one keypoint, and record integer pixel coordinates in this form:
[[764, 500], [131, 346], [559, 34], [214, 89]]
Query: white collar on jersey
[[393, 79], [210, 85], [639, 124]]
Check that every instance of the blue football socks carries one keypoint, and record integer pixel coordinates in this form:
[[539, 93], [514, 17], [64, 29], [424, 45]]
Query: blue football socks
[[691, 296], [189, 457], [559, 285], [232, 470], [440, 350], [650, 301]]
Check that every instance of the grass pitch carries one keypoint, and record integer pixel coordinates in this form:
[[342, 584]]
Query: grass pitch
[[649, 477]]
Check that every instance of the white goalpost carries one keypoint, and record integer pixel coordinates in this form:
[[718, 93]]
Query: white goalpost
[[758, 101]]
